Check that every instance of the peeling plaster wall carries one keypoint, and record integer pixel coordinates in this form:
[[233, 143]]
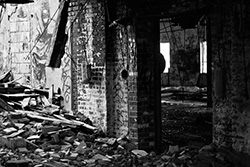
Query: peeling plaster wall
[[5, 60], [16, 40], [25, 35]]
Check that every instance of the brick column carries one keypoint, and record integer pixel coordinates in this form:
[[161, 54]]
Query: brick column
[[133, 77], [144, 97], [88, 53]]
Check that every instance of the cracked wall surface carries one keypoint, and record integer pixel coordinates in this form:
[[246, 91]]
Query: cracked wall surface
[[26, 31], [230, 51], [88, 69]]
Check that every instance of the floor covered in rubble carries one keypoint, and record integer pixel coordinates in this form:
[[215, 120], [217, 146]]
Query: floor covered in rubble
[[39, 134], [186, 119]]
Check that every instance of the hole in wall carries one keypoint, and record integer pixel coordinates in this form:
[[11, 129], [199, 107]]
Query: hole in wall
[[124, 74]]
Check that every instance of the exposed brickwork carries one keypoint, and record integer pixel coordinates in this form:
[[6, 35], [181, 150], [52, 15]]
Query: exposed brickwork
[[148, 80], [231, 87], [117, 61], [88, 51], [132, 101], [131, 104]]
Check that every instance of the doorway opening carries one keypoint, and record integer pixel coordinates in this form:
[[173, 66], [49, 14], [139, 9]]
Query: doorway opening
[[186, 119]]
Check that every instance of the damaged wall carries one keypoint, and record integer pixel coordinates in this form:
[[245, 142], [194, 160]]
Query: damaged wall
[[133, 75], [148, 83], [117, 69], [230, 50], [26, 31], [5, 60], [88, 52], [15, 41]]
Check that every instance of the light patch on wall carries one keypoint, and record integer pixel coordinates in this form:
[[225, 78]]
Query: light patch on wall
[[165, 51], [203, 57]]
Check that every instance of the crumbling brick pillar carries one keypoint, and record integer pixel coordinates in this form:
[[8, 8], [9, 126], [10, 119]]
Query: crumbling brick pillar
[[88, 54], [133, 77], [117, 69], [144, 97]]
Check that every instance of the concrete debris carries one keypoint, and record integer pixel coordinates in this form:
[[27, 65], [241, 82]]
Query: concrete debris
[[35, 133]]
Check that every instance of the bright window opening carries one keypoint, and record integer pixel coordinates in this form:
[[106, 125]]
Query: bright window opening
[[165, 51], [203, 57]]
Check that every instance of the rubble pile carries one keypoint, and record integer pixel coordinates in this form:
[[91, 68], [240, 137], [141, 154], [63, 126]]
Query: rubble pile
[[46, 136], [36, 133]]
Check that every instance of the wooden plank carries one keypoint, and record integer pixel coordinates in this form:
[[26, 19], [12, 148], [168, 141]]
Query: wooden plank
[[5, 105], [73, 122]]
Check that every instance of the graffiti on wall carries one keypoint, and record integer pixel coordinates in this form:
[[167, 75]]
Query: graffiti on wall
[[184, 49], [42, 37], [66, 78], [88, 75], [44, 23], [120, 86]]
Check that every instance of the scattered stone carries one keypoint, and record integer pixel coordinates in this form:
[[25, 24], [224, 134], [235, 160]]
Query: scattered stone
[[139, 153], [10, 130], [44, 137], [55, 138], [72, 156], [81, 136], [33, 137], [22, 150], [17, 163], [19, 125], [55, 156], [15, 115], [166, 157], [111, 141], [89, 161], [173, 149], [99, 156], [70, 139], [81, 148]]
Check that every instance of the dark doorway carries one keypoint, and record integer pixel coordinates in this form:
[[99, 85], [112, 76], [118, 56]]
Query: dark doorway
[[186, 115]]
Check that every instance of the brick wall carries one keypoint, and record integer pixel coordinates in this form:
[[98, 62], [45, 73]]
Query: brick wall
[[133, 83], [148, 82], [231, 59], [88, 52]]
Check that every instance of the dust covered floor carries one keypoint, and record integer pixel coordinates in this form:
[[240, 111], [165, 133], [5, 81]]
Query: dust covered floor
[[186, 120]]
